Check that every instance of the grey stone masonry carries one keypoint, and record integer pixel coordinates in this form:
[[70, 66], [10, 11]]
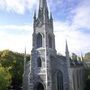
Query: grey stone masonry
[[47, 70]]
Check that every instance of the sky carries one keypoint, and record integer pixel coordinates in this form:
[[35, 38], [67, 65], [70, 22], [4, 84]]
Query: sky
[[71, 23]]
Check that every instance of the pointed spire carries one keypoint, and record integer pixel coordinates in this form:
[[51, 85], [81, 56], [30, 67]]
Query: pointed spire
[[67, 51], [43, 11], [35, 15], [24, 58], [67, 55], [25, 50], [51, 18], [42, 4], [25, 55], [34, 19]]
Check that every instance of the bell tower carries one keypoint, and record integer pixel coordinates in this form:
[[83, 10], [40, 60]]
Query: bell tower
[[43, 36], [43, 47]]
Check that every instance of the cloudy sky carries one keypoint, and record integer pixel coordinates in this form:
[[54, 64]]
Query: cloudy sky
[[71, 22]]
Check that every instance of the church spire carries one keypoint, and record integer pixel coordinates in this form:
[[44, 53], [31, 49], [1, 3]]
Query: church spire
[[51, 18], [34, 15], [43, 11], [67, 51], [42, 4], [24, 59], [67, 54], [34, 19]]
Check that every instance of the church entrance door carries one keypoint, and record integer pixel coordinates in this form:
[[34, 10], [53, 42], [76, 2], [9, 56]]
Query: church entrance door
[[40, 87]]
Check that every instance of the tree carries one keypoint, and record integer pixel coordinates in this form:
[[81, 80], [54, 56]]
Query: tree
[[5, 78], [14, 62], [74, 56]]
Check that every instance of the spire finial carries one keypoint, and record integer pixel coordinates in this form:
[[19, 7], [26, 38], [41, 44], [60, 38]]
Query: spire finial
[[51, 16], [24, 58], [35, 14], [43, 11], [67, 54], [25, 50], [42, 4], [67, 51]]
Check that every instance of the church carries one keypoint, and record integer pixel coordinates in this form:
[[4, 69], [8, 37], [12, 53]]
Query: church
[[47, 70]]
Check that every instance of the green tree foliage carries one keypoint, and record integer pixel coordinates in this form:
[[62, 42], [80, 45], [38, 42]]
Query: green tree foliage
[[5, 78], [14, 62], [87, 71], [74, 56]]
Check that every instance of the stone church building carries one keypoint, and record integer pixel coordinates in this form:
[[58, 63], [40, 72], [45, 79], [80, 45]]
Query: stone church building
[[47, 70]]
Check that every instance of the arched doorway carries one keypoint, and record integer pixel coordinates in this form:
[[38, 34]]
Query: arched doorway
[[40, 87], [59, 80]]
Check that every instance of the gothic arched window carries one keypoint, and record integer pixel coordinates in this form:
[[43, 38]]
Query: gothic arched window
[[39, 40], [39, 62], [50, 41], [59, 80]]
